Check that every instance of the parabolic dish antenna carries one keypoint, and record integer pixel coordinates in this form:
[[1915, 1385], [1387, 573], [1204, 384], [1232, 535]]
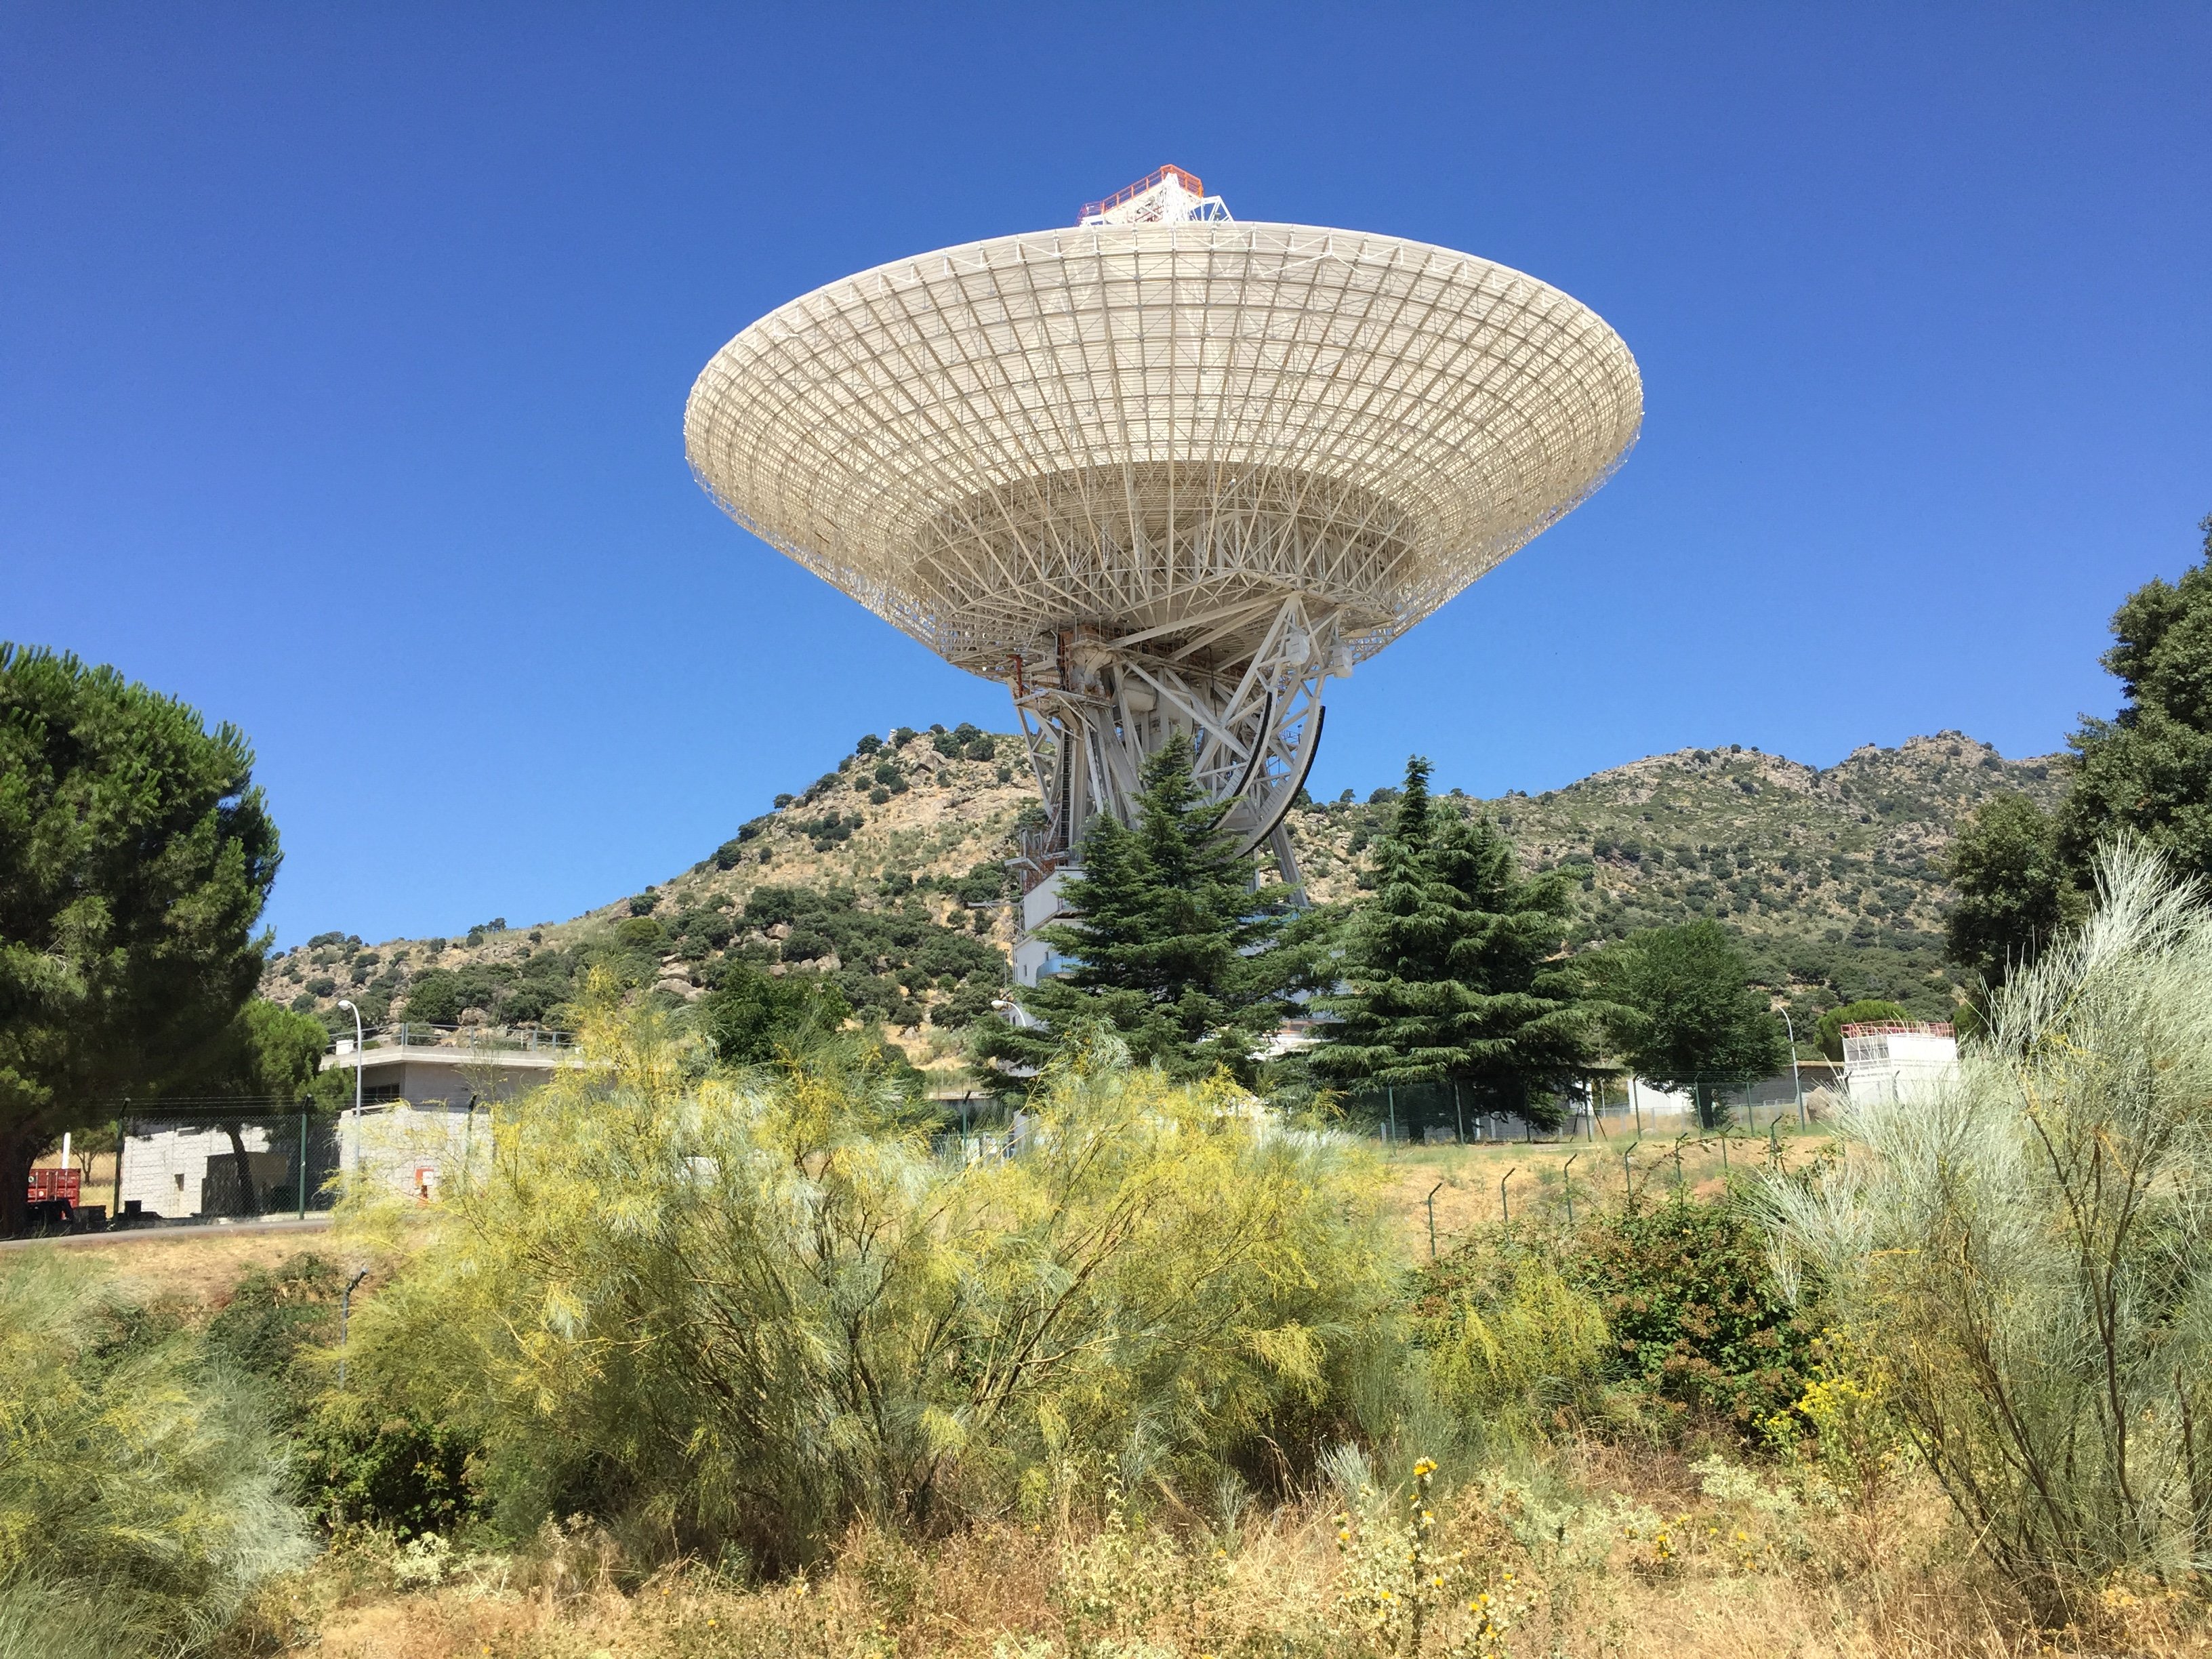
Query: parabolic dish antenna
[[1164, 472]]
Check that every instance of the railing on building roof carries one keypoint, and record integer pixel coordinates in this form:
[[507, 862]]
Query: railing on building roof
[[467, 1039]]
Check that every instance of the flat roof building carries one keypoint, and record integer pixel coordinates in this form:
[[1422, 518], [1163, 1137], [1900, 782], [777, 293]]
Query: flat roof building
[[450, 1065]]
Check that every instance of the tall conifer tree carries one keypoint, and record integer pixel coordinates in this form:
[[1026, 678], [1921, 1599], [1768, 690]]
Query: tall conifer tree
[[1452, 974], [135, 854], [1168, 943]]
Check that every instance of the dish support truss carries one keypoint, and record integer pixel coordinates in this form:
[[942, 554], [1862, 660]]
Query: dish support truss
[[1107, 705]]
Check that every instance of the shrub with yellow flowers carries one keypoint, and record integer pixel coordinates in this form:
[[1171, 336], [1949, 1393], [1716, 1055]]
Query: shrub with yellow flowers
[[1492, 1613], [1841, 1435], [1393, 1571], [742, 1310], [1843, 1442]]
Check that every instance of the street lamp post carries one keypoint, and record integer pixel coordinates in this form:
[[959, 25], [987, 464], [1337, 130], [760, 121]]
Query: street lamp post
[[356, 1012], [1795, 1087]]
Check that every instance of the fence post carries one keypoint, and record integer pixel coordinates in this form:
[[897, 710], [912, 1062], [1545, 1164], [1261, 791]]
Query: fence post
[[345, 1315], [122, 1135], [303, 1163]]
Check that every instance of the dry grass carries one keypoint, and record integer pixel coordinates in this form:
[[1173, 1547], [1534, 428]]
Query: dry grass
[[197, 1267], [1733, 1581], [1466, 1179], [1899, 1583]]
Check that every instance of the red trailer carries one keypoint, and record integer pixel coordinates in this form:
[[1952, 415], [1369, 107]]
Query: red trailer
[[47, 1185]]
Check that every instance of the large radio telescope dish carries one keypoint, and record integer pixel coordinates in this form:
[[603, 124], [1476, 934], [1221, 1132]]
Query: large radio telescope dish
[[1165, 471]]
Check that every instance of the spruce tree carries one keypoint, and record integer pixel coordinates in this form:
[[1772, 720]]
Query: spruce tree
[[1167, 942], [1452, 974]]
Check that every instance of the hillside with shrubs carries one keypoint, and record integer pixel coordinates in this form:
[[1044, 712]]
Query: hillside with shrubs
[[885, 878]]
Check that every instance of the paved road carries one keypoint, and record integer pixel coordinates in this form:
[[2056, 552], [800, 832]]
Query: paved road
[[312, 1224]]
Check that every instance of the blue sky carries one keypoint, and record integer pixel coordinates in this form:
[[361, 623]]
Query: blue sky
[[343, 353]]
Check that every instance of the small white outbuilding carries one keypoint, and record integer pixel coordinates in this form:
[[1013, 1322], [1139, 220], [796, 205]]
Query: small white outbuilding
[[1898, 1060]]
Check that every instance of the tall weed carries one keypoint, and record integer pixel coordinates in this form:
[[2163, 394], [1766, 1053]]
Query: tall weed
[[2025, 1253], [1535, 1344]]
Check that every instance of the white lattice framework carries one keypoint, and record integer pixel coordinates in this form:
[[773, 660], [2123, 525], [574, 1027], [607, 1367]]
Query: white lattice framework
[[1164, 476]]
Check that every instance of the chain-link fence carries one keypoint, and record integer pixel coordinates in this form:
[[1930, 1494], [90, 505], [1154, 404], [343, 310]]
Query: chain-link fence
[[1430, 1113], [207, 1165], [1598, 1109]]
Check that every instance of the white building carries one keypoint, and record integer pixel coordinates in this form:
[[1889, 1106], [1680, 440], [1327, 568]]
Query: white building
[[186, 1171], [412, 1152], [447, 1066], [1898, 1060], [1648, 1101]]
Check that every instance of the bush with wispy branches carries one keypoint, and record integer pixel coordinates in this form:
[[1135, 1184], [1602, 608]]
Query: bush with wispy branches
[[2027, 1250], [726, 1309], [141, 1497]]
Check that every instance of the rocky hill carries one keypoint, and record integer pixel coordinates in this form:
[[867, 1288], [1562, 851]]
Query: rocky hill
[[1833, 876], [886, 875]]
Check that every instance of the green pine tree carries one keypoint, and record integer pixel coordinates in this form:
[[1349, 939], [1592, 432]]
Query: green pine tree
[[1453, 973], [135, 854], [1168, 943]]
